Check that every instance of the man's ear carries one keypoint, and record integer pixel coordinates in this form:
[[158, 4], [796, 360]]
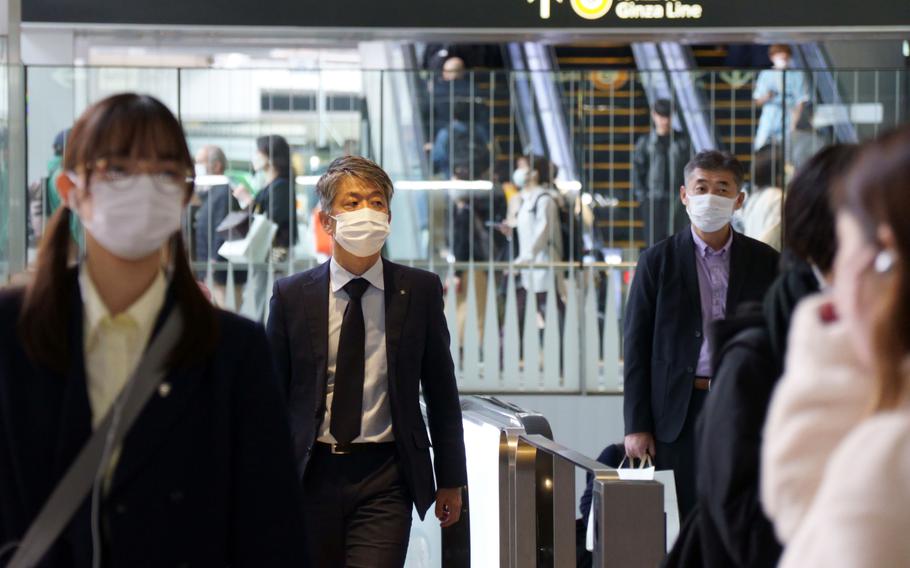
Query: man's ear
[[682, 196], [739, 200], [328, 224]]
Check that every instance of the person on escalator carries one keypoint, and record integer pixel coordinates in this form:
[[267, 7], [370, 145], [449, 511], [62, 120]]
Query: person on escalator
[[658, 161]]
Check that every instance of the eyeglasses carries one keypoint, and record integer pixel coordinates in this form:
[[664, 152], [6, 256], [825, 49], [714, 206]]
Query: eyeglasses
[[169, 176]]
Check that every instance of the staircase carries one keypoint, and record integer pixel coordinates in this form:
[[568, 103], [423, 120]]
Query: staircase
[[608, 110]]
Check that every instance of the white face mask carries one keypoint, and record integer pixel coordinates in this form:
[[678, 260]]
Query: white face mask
[[710, 213], [259, 162], [134, 217], [362, 232], [780, 61], [200, 170], [520, 177]]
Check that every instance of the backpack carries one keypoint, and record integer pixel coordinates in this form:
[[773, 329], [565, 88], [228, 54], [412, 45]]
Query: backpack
[[569, 227]]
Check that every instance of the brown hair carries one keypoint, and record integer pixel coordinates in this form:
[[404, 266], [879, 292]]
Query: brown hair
[[780, 48], [364, 170], [876, 193], [122, 126]]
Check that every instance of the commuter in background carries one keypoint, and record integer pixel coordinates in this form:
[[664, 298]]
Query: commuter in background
[[277, 201], [658, 163], [275, 198], [357, 339], [681, 286], [781, 100], [44, 198], [216, 202], [205, 476], [539, 233], [762, 209], [843, 501], [730, 524]]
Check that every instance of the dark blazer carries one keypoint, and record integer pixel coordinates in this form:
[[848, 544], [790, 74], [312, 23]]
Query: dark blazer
[[216, 203], [205, 477], [662, 329], [417, 349]]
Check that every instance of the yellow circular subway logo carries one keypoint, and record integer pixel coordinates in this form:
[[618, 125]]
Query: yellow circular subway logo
[[592, 9]]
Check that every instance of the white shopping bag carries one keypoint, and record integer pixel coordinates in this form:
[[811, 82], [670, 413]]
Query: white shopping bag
[[646, 472], [254, 247]]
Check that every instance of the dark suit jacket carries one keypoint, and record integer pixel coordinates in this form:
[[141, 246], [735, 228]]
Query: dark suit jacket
[[417, 349], [205, 477], [662, 332], [217, 202]]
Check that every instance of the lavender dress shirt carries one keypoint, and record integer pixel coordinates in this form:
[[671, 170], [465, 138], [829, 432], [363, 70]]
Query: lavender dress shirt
[[713, 267]]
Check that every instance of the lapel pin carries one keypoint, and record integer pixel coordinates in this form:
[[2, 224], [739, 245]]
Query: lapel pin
[[403, 292], [164, 389]]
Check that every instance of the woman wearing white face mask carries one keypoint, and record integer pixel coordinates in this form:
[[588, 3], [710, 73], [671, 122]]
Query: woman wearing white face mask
[[209, 454], [539, 234], [276, 199]]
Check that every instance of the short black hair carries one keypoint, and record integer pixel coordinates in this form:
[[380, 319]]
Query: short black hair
[[276, 149], [714, 161], [545, 169], [662, 107], [808, 215]]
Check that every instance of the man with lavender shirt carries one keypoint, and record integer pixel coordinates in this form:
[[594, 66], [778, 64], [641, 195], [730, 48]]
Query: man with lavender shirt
[[682, 285]]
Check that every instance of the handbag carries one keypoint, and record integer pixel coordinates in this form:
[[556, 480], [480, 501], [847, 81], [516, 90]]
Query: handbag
[[82, 475], [254, 246]]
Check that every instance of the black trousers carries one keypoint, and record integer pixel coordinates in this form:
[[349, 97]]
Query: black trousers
[[679, 456], [358, 509]]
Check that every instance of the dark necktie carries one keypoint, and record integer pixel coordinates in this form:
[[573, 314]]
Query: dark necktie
[[347, 400]]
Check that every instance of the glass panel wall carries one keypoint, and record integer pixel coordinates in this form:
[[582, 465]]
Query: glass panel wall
[[532, 210]]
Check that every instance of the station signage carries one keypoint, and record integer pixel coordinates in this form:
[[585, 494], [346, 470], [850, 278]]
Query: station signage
[[487, 16]]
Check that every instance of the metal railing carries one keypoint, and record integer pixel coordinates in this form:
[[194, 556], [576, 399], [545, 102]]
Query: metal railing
[[465, 220]]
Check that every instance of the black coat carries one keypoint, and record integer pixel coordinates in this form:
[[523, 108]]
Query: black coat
[[205, 477], [277, 202], [662, 331], [749, 362], [417, 350], [217, 202]]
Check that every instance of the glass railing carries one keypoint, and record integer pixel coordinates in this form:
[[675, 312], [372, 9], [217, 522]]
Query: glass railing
[[535, 280]]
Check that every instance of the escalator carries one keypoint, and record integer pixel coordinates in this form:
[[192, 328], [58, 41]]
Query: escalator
[[602, 89], [728, 92]]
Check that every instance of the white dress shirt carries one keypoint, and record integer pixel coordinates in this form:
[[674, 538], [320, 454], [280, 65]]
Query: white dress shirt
[[376, 421], [114, 344]]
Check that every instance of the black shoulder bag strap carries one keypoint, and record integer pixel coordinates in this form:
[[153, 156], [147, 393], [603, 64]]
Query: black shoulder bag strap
[[71, 491]]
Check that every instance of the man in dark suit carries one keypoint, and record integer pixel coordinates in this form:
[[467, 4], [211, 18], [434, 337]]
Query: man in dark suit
[[215, 202], [354, 341], [681, 286]]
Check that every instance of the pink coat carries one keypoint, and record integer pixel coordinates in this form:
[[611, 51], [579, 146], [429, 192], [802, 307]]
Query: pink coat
[[835, 480]]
